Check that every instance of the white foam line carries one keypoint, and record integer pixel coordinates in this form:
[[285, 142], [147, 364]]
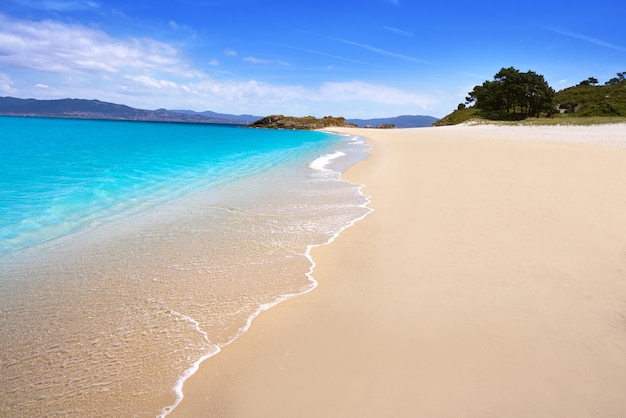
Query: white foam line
[[178, 388], [309, 274], [307, 253], [322, 162]]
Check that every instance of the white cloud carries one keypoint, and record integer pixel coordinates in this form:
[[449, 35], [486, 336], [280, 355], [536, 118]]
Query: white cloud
[[328, 98], [6, 84], [261, 98], [153, 82], [255, 60], [83, 62], [55, 47]]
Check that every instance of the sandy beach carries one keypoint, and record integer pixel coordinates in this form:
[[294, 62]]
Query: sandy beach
[[489, 281]]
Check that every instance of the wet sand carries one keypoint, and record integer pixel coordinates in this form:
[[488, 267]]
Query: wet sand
[[489, 281]]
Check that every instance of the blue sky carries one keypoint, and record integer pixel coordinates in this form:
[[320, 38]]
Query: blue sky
[[358, 59]]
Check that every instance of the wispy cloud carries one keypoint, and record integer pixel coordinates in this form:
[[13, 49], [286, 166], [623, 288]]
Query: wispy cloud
[[473, 75], [384, 52], [153, 82], [324, 99], [372, 93], [586, 38], [311, 51], [59, 5], [255, 60], [263, 61], [398, 31]]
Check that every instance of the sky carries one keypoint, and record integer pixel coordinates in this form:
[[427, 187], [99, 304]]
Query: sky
[[357, 59]]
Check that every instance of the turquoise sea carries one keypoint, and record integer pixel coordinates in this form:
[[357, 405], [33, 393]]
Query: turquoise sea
[[130, 252]]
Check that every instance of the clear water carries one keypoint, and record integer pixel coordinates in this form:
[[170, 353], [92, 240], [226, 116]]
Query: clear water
[[130, 252], [58, 176]]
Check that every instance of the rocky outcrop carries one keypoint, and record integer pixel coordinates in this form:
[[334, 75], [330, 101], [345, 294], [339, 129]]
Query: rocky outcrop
[[306, 123], [568, 107]]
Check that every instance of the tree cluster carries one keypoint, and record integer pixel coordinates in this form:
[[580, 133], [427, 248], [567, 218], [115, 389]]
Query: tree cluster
[[511, 91], [592, 81], [616, 80]]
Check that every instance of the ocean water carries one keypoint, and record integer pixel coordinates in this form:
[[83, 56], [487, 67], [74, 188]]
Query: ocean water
[[130, 252]]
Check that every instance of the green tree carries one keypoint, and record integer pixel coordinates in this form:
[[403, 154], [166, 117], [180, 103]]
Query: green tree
[[615, 80], [514, 92], [488, 96], [591, 81]]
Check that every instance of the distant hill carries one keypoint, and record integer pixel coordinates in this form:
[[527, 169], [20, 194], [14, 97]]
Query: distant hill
[[575, 104], [244, 119], [95, 109], [586, 100], [406, 121]]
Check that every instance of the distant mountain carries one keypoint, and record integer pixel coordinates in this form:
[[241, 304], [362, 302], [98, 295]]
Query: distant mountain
[[95, 109], [246, 119], [406, 121]]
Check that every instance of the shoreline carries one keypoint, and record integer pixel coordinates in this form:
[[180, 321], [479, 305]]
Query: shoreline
[[147, 297], [320, 165], [488, 281]]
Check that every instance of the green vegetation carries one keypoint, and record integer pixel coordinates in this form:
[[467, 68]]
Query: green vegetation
[[461, 115], [551, 121], [593, 100], [513, 97]]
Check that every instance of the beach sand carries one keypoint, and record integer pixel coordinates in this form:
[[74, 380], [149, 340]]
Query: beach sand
[[490, 281]]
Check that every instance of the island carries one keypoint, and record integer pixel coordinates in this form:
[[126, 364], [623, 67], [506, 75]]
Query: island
[[304, 123]]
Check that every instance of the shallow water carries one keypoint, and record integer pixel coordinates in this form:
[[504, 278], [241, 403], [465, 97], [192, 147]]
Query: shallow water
[[108, 317]]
